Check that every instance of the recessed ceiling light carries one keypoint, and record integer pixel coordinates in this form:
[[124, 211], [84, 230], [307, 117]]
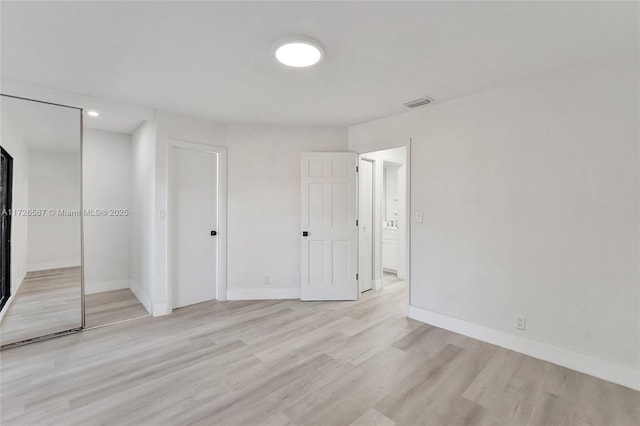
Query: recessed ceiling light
[[93, 113], [299, 52]]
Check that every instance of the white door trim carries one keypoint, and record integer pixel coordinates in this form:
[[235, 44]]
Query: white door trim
[[221, 267]]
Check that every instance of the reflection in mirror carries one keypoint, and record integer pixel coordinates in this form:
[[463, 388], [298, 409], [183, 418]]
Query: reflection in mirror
[[390, 206], [41, 219]]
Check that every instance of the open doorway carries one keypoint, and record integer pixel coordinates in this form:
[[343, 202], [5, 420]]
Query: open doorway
[[383, 230], [342, 222], [111, 168]]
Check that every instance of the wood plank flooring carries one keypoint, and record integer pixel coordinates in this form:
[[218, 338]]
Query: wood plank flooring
[[295, 363], [47, 302], [112, 306]]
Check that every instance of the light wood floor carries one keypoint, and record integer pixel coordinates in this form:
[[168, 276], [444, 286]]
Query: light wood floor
[[47, 302], [112, 306], [295, 363]]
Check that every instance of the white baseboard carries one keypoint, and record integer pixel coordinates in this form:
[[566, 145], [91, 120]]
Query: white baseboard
[[263, 293], [6, 306], [92, 288], [11, 298], [606, 370], [140, 294], [53, 265]]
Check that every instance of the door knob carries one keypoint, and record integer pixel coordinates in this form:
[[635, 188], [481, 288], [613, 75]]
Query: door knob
[[214, 233], [305, 233]]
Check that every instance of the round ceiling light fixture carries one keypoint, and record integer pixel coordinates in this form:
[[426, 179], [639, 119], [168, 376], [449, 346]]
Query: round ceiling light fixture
[[299, 52]]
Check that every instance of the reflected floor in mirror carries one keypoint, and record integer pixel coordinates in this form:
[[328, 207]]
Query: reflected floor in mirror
[[47, 302], [112, 306]]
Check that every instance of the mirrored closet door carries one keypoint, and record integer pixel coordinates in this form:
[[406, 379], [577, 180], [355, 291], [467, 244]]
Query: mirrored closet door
[[41, 222]]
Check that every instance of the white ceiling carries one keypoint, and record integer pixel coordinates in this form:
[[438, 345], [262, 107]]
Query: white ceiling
[[213, 59], [114, 116], [43, 127]]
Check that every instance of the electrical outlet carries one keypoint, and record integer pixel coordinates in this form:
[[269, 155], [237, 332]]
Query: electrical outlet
[[521, 323], [266, 280]]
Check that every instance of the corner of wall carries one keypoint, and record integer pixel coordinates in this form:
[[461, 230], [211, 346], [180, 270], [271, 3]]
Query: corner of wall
[[142, 296]]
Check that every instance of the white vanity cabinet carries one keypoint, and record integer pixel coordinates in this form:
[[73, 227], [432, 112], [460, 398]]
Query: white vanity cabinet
[[389, 249]]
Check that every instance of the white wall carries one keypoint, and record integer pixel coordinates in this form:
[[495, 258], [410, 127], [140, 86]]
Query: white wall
[[264, 203], [255, 224], [54, 241], [12, 142], [143, 237], [107, 185], [530, 201]]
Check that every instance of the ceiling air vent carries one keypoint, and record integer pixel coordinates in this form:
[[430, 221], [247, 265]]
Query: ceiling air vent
[[418, 102]]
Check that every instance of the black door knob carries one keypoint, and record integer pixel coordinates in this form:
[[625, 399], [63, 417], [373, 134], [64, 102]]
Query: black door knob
[[305, 233], [214, 233]]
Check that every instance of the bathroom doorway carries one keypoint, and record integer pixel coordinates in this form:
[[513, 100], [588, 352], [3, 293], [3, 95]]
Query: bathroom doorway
[[383, 227]]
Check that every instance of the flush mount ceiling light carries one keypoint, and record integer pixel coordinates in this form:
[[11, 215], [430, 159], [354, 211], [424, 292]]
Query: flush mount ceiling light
[[91, 113], [299, 52]]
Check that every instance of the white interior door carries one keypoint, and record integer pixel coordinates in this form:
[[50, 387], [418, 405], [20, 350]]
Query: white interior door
[[329, 234], [365, 248], [194, 207]]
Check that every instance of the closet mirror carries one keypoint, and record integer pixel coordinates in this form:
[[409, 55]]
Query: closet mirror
[[40, 196]]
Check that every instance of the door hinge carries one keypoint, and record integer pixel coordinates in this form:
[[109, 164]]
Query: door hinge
[[356, 277], [356, 222], [357, 169]]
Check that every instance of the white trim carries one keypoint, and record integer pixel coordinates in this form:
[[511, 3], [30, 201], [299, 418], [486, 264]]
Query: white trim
[[53, 265], [597, 367], [263, 293], [6, 306], [221, 264], [101, 287], [142, 297], [377, 284], [407, 252], [160, 309], [11, 298]]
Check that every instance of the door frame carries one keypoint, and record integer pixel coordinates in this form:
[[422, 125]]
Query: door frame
[[408, 215], [221, 238], [5, 294], [360, 223]]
